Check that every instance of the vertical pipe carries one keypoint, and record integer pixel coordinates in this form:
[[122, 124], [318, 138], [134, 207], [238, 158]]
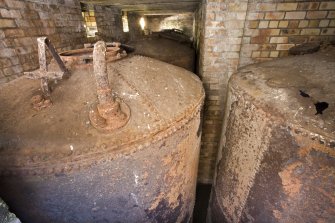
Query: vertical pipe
[[43, 66], [104, 91]]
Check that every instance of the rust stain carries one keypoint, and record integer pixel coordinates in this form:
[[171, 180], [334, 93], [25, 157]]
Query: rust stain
[[277, 214], [331, 197], [291, 184], [307, 145]]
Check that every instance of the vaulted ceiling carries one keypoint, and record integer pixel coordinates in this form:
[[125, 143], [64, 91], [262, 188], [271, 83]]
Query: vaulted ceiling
[[150, 6]]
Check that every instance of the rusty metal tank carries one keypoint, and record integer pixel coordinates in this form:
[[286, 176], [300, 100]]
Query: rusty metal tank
[[55, 166], [277, 157]]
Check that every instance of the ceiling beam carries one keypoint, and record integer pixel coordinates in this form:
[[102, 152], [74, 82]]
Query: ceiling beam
[[145, 6], [134, 2]]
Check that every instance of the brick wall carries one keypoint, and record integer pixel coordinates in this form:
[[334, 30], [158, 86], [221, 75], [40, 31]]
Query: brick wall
[[154, 21], [135, 31], [22, 21], [220, 44], [109, 23], [273, 27], [236, 33], [183, 21]]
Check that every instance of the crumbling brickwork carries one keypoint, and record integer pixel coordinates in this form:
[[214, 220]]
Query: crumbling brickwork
[[22, 21]]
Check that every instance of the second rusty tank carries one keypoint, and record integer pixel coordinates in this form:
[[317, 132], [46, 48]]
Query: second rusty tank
[[277, 160]]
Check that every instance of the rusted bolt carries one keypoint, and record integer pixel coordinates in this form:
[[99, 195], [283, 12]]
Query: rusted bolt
[[109, 113]]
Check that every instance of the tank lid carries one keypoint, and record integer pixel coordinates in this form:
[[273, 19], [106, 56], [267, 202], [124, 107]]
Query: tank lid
[[301, 89], [161, 97]]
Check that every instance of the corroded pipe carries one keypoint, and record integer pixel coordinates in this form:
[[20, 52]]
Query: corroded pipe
[[109, 113], [43, 66], [104, 91]]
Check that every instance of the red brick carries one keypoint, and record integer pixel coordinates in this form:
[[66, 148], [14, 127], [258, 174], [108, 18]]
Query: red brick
[[274, 15], [297, 39], [259, 39], [269, 32], [266, 7], [295, 15], [273, 24], [284, 46], [327, 5], [252, 24], [314, 23], [290, 31], [255, 16], [14, 33], [325, 23], [328, 31], [293, 24], [287, 6], [316, 14], [265, 53], [5, 13], [303, 23], [283, 24], [310, 32], [15, 4], [7, 23], [308, 6], [282, 39]]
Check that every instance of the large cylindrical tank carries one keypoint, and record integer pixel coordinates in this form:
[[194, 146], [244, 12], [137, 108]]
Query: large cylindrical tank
[[277, 160], [56, 167]]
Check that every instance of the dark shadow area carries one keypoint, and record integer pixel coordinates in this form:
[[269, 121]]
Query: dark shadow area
[[201, 203], [320, 107], [166, 50]]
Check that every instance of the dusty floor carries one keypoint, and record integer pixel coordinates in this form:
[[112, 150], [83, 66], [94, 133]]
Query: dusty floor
[[166, 50]]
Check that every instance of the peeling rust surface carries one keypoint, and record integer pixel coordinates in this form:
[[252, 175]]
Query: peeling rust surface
[[278, 158], [143, 172]]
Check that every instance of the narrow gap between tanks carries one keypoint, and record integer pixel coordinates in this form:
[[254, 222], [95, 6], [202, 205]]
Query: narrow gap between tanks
[[201, 203]]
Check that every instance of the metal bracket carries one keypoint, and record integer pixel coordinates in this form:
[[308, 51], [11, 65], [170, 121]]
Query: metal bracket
[[43, 73]]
